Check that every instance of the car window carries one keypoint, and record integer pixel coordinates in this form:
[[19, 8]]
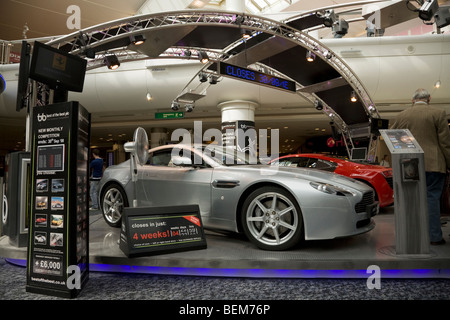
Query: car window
[[164, 157], [229, 157], [299, 162], [321, 164], [160, 158]]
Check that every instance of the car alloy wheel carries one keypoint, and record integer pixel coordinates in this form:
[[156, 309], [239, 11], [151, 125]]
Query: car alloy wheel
[[113, 202], [272, 219]]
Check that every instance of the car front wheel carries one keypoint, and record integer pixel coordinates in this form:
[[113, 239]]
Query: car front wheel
[[113, 201], [272, 219]]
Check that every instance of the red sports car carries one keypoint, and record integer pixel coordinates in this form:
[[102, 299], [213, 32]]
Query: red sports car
[[377, 177]]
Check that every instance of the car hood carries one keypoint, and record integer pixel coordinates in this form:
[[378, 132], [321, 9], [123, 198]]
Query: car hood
[[113, 169], [122, 165]]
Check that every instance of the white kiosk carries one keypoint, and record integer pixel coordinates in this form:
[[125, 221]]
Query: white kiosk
[[410, 192]]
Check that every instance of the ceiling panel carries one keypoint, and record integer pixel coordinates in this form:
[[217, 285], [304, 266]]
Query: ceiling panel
[[213, 38], [293, 63], [49, 18], [339, 99], [157, 41]]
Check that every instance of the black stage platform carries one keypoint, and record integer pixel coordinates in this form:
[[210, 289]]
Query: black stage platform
[[231, 255]]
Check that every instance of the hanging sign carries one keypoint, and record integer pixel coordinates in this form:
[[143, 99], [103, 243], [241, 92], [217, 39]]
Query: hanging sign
[[169, 115]]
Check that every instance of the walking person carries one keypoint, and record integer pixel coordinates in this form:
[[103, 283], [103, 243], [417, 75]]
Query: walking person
[[429, 126], [96, 168]]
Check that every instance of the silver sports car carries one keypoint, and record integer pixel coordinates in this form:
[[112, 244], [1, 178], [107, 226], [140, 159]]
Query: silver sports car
[[276, 207]]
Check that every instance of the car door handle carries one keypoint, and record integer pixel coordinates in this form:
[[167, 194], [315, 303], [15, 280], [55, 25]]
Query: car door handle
[[228, 184]]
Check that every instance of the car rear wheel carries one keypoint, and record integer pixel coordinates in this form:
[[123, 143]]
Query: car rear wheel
[[113, 201], [272, 219]]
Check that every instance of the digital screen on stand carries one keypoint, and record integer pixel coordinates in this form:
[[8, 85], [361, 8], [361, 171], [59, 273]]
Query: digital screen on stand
[[51, 158], [401, 139]]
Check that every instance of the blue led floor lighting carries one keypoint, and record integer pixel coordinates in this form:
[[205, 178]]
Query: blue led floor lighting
[[261, 273], [273, 273]]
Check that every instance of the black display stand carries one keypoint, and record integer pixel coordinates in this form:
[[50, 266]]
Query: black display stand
[[14, 214], [157, 230], [58, 251]]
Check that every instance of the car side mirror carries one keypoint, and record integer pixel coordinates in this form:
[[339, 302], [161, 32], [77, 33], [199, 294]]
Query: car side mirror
[[182, 161]]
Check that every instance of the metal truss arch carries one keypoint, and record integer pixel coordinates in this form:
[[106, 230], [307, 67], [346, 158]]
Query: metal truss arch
[[114, 37]]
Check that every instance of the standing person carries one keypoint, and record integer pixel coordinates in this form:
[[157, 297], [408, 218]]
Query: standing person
[[429, 127], [385, 161], [96, 168]]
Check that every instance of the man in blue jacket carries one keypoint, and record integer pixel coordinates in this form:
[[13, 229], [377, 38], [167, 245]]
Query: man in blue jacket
[[96, 168]]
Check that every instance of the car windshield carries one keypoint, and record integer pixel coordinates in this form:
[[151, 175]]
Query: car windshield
[[228, 156]]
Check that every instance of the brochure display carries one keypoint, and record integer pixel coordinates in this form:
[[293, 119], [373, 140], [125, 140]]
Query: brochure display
[[58, 252], [410, 192]]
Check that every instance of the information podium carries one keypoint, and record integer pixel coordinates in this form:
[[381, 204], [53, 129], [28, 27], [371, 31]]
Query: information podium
[[410, 192], [58, 251]]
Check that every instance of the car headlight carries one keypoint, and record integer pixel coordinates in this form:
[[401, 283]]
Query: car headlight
[[387, 173], [330, 189]]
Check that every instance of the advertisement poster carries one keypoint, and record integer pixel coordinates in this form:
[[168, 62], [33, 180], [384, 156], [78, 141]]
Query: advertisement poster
[[240, 135], [229, 133], [147, 231], [247, 142], [58, 232]]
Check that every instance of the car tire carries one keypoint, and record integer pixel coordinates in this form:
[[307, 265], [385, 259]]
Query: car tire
[[272, 227], [113, 201]]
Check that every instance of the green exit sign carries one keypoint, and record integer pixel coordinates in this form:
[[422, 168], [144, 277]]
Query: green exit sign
[[169, 115]]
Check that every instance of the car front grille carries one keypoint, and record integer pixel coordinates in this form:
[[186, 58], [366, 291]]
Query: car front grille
[[368, 199]]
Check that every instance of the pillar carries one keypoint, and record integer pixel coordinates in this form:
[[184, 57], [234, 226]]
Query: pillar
[[238, 117], [158, 137]]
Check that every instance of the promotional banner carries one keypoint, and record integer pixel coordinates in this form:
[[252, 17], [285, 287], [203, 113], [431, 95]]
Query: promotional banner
[[156, 230], [58, 255], [240, 135]]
